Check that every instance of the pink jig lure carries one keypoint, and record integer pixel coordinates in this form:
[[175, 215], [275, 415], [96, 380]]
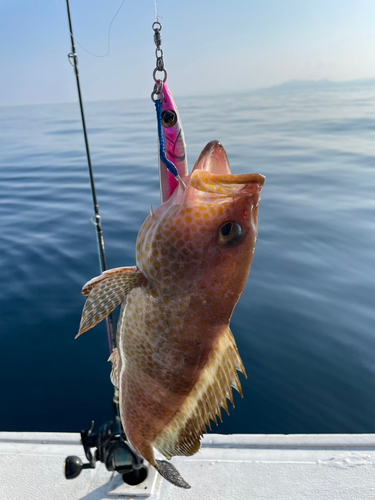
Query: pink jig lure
[[174, 145]]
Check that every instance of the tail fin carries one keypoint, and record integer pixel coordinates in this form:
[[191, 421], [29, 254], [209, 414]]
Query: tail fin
[[165, 469], [171, 474]]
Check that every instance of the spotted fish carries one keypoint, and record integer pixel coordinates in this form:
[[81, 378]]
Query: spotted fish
[[176, 360]]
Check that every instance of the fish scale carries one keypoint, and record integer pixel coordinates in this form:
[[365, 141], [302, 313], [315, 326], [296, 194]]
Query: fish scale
[[177, 361]]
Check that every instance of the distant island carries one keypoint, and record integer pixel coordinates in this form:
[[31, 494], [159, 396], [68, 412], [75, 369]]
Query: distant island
[[321, 84]]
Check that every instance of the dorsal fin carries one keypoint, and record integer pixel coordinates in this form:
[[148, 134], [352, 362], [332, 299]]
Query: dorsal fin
[[105, 292], [182, 434]]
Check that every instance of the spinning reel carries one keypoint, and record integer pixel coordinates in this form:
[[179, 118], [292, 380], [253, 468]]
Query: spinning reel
[[113, 450]]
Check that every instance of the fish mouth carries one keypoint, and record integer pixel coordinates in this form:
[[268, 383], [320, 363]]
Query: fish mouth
[[213, 159], [211, 174]]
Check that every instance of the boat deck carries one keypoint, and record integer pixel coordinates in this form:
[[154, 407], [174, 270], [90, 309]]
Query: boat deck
[[240, 467]]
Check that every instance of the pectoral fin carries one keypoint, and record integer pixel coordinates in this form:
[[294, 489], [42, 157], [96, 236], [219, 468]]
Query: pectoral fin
[[105, 292]]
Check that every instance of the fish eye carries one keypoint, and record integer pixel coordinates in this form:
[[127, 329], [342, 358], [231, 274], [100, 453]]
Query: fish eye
[[230, 234], [168, 118]]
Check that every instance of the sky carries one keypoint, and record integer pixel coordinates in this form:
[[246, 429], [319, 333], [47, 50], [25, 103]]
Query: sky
[[210, 46]]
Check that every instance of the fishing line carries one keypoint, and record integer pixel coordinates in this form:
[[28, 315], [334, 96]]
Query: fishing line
[[109, 35], [157, 17]]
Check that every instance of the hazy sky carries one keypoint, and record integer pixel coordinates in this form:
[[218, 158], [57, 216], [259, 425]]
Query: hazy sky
[[210, 46]]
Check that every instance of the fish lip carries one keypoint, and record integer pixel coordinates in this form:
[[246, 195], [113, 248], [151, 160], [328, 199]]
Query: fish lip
[[211, 174], [213, 159], [227, 184]]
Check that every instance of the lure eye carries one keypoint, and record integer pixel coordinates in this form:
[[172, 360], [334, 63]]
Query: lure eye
[[230, 234], [168, 118]]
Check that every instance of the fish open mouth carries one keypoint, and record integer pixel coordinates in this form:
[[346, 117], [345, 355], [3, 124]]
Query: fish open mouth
[[211, 174], [213, 159]]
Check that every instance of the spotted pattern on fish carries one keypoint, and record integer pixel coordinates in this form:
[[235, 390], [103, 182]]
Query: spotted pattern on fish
[[166, 332], [176, 358]]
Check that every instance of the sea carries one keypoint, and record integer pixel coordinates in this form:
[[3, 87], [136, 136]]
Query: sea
[[305, 324]]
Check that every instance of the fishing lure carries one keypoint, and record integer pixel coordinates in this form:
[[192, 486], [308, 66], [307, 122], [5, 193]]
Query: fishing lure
[[173, 144]]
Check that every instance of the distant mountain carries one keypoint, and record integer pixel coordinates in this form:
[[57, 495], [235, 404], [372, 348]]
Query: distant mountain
[[322, 84]]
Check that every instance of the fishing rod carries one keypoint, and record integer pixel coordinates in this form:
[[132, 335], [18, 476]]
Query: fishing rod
[[73, 59], [109, 442]]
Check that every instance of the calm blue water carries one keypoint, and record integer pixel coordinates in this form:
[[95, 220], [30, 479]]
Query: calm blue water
[[305, 322]]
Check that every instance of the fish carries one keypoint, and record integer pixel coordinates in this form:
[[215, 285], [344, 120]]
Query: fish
[[176, 360], [174, 145]]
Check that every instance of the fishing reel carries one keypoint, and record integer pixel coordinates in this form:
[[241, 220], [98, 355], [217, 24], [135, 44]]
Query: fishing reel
[[113, 450]]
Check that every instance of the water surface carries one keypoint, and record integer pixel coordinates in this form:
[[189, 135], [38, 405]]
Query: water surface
[[305, 323]]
